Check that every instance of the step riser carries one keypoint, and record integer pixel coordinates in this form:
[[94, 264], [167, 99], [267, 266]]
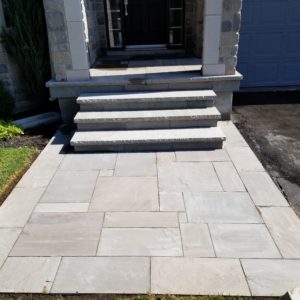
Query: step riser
[[147, 125], [146, 105], [150, 147]]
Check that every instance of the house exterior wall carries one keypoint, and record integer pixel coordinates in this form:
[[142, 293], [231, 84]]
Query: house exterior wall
[[9, 75], [67, 40]]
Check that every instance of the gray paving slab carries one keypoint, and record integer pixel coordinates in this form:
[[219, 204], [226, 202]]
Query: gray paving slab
[[117, 275], [233, 136], [171, 201], [182, 217], [18, 206], [106, 173], [28, 274], [202, 156], [36, 177], [271, 277], [196, 240], [88, 161], [244, 159], [136, 164], [60, 234], [71, 186], [197, 276], [284, 226], [193, 177], [243, 241], [221, 207], [141, 219], [262, 189], [228, 176], [140, 242], [125, 194], [61, 207], [8, 237]]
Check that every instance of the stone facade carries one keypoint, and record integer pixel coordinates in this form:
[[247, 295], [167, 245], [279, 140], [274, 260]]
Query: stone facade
[[96, 31], [231, 22], [9, 75]]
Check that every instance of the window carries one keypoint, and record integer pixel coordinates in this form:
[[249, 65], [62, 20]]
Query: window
[[176, 20], [114, 22]]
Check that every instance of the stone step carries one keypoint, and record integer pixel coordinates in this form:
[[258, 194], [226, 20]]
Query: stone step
[[146, 100], [148, 140], [147, 119]]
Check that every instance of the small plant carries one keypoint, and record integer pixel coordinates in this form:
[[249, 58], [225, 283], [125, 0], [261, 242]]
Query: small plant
[[8, 130], [7, 103]]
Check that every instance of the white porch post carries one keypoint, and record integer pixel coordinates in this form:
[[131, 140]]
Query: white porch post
[[77, 41], [211, 38]]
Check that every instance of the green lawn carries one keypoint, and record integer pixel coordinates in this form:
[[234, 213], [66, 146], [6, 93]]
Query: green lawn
[[13, 163]]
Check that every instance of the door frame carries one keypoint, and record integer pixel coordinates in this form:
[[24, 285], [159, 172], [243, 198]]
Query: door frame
[[123, 30]]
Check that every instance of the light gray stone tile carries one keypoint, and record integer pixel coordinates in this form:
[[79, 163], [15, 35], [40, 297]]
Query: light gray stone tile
[[244, 159], [284, 226], [60, 234], [8, 237], [71, 186], [196, 240], [221, 207], [202, 156], [36, 178], [165, 157], [243, 241], [233, 136], [140, 242], [88, 161], [271, 277], [141, 219], [193, 177], [136, 164], [229, 178], [106, 173], [262, 189], [28, 274], [17, 208], [182, 217], [61, 207], [117, 275], [171, 201], [197, 276], [125, 194]]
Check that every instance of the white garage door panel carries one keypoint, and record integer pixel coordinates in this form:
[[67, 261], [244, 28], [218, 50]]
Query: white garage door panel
[[269, 52]]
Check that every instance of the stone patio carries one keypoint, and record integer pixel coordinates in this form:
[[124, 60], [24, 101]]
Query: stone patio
[[199, 222]]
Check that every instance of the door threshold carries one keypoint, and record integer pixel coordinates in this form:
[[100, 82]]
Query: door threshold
[[150, 52], [146, 47]]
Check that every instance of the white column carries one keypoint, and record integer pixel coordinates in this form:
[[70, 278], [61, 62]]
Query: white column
[[211, 38], [77, 41]]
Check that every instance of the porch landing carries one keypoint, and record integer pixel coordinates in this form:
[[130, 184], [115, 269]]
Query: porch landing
[[194, 222]]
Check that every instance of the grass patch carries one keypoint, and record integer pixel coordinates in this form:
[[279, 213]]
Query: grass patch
[[13, 163]]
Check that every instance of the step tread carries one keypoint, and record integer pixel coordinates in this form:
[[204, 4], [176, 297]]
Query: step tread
[[146, 96], [209, 113], [155, 136]]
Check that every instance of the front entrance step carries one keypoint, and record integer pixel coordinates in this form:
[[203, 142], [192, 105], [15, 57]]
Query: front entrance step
[[151, 140], [147, 100], [147, 119]]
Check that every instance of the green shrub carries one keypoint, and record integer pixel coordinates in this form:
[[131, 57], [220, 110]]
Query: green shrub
[[7, 103], [9, 129], [25, 40]]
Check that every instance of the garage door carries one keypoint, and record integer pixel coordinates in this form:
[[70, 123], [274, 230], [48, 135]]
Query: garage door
[[269, 53]]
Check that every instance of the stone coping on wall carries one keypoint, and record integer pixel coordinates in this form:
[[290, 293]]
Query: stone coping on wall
[[66, 89]]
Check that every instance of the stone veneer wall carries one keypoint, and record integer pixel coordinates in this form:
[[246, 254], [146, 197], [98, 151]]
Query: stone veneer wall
[[194, 26], [231, 22], [95, 15], [9, 75]]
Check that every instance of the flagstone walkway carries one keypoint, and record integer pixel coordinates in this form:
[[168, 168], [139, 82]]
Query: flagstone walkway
[[200, 222]]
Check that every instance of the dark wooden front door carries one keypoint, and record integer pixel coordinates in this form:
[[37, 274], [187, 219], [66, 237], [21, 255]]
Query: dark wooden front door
[[146, 22]]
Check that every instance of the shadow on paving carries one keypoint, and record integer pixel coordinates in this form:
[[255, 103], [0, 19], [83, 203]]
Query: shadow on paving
[[270, 123]]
